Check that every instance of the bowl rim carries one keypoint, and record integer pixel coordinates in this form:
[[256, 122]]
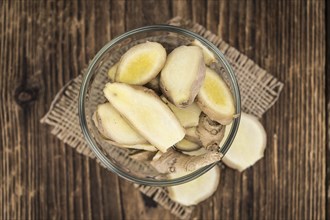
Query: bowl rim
[[98, 152]]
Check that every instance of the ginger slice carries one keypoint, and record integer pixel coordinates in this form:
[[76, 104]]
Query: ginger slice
[[183, 75], [112, 72], [173, 161], [157, 155], [249, 144], [207, 54], [146, 113], [210, 132], [141, 63], [154, 85], [186, 145], [147, 147], [191, 135], [197, 190], [113, 126], [188, 116], [215, 98]]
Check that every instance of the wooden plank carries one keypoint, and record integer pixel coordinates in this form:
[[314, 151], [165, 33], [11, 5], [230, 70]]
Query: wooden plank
[[199, 9], [212, 15], [182, 8], [141, 13], [42, 177], [327, 20], [295, 56], [45, 44], [290, 175], [135, 205]]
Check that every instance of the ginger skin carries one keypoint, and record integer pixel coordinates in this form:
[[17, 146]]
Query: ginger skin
[[173, 161]]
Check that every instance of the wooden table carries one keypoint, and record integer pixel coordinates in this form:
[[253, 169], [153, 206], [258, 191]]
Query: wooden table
[[44, 44]]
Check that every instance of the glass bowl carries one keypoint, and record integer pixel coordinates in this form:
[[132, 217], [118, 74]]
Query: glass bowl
[[117, 159]]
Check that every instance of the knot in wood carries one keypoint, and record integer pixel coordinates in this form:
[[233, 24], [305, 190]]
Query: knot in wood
[[24, 96]]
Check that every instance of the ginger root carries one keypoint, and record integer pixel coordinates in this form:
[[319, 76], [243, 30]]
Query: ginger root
[[186, 145], [215, 99], [141, 63], [157, 155], [146, 113], [143, 155], [197, 190], [162, 116], [188, 116], [210, 132], [191, 135], [147, 147], [183, 75], [154, 85], [249, 144], [207, 54], [113, 126], [173, 161]]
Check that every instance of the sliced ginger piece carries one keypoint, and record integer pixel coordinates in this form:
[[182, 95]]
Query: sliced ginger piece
[[147, 147], [146, 113], [154, 85], [249, 144], [188, 116], [113, 126], [186, 145], [183, 75], [210, 132], [141, 63], [112, 72], [207, 54], [207, 133], [191, 135], [197, 190], [173, 161], [215, 98], [157, 155]]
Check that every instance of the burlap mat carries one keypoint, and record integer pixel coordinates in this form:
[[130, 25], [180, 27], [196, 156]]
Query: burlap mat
[[259, 91]]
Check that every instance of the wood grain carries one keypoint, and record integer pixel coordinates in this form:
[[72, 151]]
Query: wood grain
[[44, 44], [327, 14]]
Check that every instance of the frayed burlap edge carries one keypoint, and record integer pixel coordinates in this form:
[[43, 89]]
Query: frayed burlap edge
[[259, 91]]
